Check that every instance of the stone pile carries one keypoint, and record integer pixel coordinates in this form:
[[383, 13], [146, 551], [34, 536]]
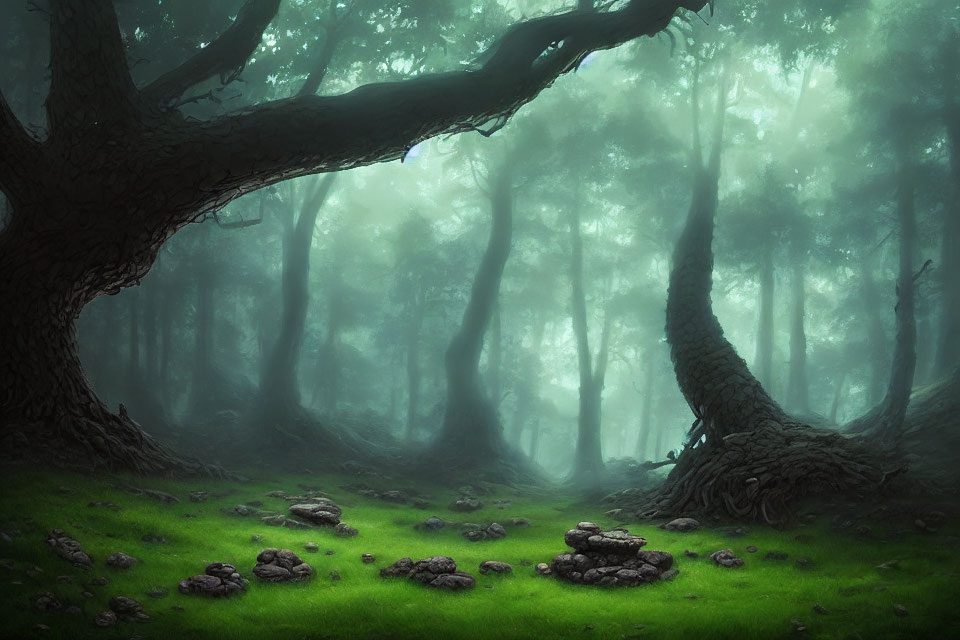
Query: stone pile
[[439, 572], [492, 531], [218, 580], [608, 559], [281, 565], [68, 549], [320, 511]]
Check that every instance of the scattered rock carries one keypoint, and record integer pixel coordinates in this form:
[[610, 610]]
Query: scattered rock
[[158, 592], [439, 572], [690, 596], [465, 505], [87, 595], [121, 560], [609, 558], [368, 558], [804, 563], [198, 496], [476, 532], [334, 575], [243, 510], [255, 503], [256, 538], [752, 548], [68, 549], [776, 555], [726, 558], [519, 522], [819, 608], [433, 523], [321, 512], [283, 521], [345, 531], [330, 552], [105, 619], [100, 582], [63, 579], [683, 525], [218, 580], [669, 575], [105, 504], [900, 611], [46, 602], [393, 496], [312, 547], [492, 566], [153, 538], [543, 569], [798, 626], [127, 609], [691, 554], [73, 610], [281, 565], [889, 564]]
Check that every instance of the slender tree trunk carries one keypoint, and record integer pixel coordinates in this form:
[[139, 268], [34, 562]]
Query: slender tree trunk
[[331, 361], [495, 357], [528, 385], [413, 365], [764, 356], [646, 411], [885, 421], [876, 338], [837, 397], [471, 435], [798, 388], [279, 383]]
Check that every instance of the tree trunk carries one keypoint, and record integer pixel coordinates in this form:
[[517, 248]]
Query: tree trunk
[[745, 457], [471, 435], [837, 397], [798, 388], [885, 421], [279, 383], [764, 356], [876, 339], [948, 348], [528, 385], [495, 358], [413, 364]]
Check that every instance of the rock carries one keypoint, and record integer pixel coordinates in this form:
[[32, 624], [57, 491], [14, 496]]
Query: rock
[[283, 521], [345, 531], [158, 592], [87, 595], [683, 525], [439, 572], [496, 530], [900, 611], [105, 619], [466, 505], [68, 549], [73, 610], [433, 523], [334, 575], [63, 579], [312, 547], [798, 626], [519, 522], [281, 565], [691, 554], [804, 563], [198, 496], [420, 503], [726, 558], [690, 596], [751, 548], [819, 608], [608, 558], [127, 609], [153, 538], [367, 558], [104, 504], [100, 582], [330, 552], [543, 569], [243, 510], [256, 538], [46, 602], [776, 555], [399, 569], [393, 496], [492, 566], [321, 512], [121, 560], [218, 580], [669, 574]]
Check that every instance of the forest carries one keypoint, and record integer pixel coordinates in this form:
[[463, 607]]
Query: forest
[[332, 292]]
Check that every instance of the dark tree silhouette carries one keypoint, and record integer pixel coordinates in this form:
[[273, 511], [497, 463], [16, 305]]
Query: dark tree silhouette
[[121, 170]]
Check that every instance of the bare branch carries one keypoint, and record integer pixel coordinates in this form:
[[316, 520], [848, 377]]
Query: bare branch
[[90, 82], [380, 122], [225, 56]]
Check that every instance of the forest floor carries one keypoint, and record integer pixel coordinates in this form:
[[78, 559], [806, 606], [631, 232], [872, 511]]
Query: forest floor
[[840, 594]]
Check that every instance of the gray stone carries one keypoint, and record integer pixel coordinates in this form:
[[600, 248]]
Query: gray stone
[[127, 609], [68, 549], [726, 558], [281, 565], [312, 547], [345, 531], [121, 560], [105, 619], [46, 602], [466, 505], [219, 580], [433, 523], [683, 525], [493, 566], [367, 558], [321, 512]]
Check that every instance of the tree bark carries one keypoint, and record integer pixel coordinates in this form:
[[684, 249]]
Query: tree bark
[[798, 387]]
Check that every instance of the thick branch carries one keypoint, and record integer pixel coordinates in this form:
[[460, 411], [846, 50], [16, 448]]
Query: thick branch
[[19, 155], [320, 67], [380, 122], [226, 55], [90, 82]]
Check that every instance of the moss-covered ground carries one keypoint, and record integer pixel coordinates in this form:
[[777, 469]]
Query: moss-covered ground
[[764, 599]]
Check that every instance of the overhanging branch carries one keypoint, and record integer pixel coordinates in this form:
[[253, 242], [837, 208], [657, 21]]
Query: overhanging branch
[[225, 56], [379, 122]]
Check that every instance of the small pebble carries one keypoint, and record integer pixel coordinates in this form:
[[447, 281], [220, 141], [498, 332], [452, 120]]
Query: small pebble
[[900, 610]]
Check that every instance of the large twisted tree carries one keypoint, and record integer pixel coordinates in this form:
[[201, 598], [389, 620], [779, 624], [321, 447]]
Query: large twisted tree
[[121, 170]]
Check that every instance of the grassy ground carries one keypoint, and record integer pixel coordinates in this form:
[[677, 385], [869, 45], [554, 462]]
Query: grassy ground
[[758, 601]]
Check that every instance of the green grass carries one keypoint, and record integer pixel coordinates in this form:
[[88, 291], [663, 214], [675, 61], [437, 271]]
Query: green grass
[[757, 601]]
